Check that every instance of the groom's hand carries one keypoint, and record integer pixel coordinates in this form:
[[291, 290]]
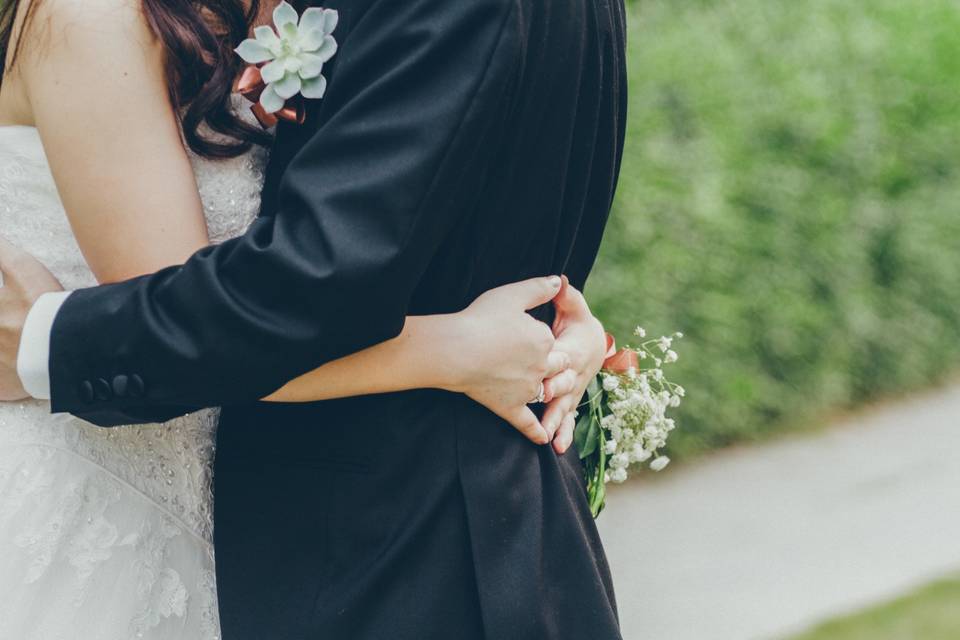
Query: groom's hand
[[24, 280]]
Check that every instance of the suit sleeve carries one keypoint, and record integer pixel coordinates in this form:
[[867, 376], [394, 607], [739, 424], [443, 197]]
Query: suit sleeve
[[363, 207]]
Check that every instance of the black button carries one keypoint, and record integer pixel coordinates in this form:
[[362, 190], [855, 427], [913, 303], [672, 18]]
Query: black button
[[102, 390], [86, 392], [136, 387], [121, 386]]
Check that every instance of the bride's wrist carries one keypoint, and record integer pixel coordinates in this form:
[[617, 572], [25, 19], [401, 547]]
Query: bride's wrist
[[441, 343], [459, 334]]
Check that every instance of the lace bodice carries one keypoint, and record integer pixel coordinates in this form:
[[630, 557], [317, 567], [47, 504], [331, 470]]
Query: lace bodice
[[169, 465], [161, 472]]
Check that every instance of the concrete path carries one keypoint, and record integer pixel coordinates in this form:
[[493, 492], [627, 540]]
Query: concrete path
[[761, 542]]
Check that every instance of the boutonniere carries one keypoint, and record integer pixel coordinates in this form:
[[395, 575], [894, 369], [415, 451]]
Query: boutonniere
[[287, 63]]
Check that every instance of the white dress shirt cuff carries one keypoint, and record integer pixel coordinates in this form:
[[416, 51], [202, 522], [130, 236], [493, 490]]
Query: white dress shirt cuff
[[33, 358]]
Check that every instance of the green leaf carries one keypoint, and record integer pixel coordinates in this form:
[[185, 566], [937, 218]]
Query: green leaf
[[595, 393], [586, 435]]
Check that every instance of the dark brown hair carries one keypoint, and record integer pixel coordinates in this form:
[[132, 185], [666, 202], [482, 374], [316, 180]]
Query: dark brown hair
[[198, 38]]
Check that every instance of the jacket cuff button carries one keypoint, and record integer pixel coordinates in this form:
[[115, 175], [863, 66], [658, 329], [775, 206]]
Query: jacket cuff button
[[121, 386], [136, 387], [102, 390], [86, 392]]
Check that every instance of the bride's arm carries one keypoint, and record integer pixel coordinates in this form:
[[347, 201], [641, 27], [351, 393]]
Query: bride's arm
[[492, 347], [93, 77], [94, 80], [475, 352]]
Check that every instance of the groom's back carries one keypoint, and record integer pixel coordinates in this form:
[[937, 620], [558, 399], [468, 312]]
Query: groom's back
[[553, 169], [532, 195], [422, 515]]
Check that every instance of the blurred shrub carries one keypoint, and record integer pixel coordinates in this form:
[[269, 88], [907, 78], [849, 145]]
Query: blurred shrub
[[790, 200]]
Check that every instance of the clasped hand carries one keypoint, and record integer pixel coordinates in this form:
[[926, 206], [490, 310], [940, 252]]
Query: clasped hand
[[24, 280], [515, 353]]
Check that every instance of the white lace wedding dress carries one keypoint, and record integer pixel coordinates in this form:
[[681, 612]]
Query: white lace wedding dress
[[105, 534]]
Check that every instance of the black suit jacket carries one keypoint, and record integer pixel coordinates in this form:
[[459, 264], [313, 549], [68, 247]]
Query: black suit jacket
[[462, 144]]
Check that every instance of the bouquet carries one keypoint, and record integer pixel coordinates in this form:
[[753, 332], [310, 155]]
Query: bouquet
[[625, 420]]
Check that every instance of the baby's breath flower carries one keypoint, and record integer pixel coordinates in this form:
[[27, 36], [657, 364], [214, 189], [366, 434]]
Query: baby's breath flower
[[640, 332], [660, 463], [638, 453], [616, 431], [632, 416], [610, 383]]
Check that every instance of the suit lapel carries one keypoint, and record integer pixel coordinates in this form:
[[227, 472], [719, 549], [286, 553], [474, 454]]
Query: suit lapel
[[290, 138]]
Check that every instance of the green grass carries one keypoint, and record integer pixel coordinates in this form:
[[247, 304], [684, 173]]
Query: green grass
[[790, 199], [929, 614]]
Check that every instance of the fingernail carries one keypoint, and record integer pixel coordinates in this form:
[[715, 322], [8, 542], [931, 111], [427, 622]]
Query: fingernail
[[555, 281]]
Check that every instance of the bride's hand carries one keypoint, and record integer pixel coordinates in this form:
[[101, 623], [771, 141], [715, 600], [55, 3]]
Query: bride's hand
[[502, 354], [581, 336], [24, 280]]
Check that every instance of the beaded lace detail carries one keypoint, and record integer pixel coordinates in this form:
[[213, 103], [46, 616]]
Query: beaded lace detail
[[105, 533]]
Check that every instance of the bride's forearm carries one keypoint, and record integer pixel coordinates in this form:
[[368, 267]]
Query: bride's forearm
[[493, 351], [419, 358]]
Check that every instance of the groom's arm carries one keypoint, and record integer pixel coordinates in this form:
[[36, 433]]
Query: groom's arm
[[420, 85]]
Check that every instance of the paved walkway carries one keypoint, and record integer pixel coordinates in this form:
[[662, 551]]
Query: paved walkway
[[757, 543]]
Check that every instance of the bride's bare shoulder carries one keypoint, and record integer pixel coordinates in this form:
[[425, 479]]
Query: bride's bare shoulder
[[68, 15], [84, 51], [54, 29], [99, 98]]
